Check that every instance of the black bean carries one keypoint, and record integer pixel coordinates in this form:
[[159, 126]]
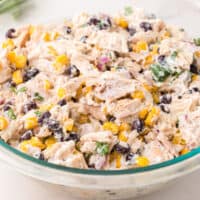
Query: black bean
[[7, 106], [58, 134], [74, 100], [72, 71], [73, 136], [62, 102], [29, 106], [68, 29], [94, 21], [122, 148], [130, 156], [194, 68], [161, 59], [166, 99], [195, 89], [179, 97], [111, 118], [53, 125], [11, 83], [10, 33], [190, 91], [132, 31], [138, 125], [29, 74], [146, 26], [41, 156], [44, 117], [164, 108], [26, 136]]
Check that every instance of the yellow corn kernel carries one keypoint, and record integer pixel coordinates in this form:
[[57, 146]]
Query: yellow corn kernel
[[177, 139], [79, 92], [122, 22], [118, 160], [124, 127], [185, 151], [20, 61], [155, 97], [36, 142], [141, 46], [142, 161], [105, 110], [1, 66], [11, 57], [138, 95], [52, 51], [150, 88], [61, 93], [17, 77], [47, 37], [195, 77], [46, 107], [55, 36], [69, 124], [8, 44], [75, 128], [31, 30], [151, 117], [60, 62], [49, 141], [148, 60], [155, 48], [166, 35], [110, 126], [122, 137], [87, 90], [30, 123], [143, 113], [24, 146], [83, 119], [197, 54], [47, 85], [3, 123], [62, 59]]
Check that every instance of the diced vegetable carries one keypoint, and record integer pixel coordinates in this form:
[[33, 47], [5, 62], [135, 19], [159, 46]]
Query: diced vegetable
[[159, 72], [102, 148]]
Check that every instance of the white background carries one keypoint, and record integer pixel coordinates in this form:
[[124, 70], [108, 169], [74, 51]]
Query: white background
[[14, 186]]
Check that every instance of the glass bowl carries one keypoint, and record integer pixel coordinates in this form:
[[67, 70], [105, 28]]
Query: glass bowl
[[96, 184]]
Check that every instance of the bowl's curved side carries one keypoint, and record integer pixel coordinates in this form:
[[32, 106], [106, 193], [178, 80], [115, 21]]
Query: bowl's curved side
[[101, 187]]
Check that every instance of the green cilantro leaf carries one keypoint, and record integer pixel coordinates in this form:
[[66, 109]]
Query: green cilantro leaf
[[11, 114], [23, 89], [174, 55], [102, 148], [159, 72], [38, 97], [128, 10], [197, 41]]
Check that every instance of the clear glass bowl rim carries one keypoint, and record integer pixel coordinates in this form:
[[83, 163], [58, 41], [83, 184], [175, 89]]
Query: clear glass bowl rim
[[168, 163]]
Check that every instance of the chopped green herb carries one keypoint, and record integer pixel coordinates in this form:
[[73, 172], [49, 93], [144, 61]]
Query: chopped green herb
[[160, 73], [13, 89], [23, 89], [128, 10], [174, 55], [197, 41], [38, 113], [11, 114], [102, 148], [38, 97]]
